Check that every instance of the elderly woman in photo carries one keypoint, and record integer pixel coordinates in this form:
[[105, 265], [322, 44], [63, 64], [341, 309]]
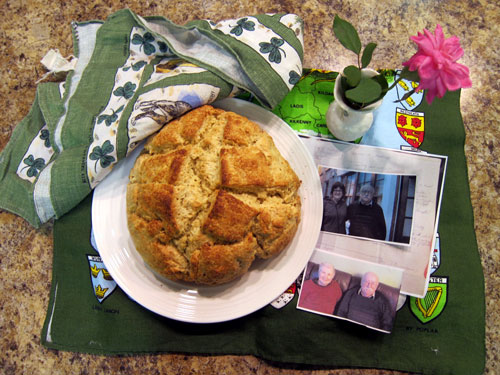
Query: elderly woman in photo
[[335, 210]]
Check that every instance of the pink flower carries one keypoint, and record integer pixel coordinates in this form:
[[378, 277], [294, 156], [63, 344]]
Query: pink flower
[[436, 63]]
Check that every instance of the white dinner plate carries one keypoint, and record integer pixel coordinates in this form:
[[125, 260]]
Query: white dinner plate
[[265, 280]]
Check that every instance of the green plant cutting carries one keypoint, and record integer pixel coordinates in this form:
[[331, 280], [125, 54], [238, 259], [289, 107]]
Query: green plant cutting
[[358, 90], [434, 67]]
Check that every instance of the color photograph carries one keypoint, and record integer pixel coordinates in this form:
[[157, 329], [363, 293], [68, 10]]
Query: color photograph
[[369, 205], [360, 292]]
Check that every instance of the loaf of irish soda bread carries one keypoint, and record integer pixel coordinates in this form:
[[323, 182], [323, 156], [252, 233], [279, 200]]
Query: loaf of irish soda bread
[[209, 194]]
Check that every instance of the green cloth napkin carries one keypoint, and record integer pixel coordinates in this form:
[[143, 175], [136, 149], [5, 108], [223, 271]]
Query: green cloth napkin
[[133, 75], [449, 340]]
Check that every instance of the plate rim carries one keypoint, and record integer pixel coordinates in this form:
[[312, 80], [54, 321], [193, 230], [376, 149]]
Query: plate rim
[[235, 105]]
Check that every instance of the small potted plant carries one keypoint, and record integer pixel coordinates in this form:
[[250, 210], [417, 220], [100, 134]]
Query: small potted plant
[[359, 85], [359, 90]]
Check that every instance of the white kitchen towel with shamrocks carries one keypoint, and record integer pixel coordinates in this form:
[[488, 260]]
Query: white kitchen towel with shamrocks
[[133, 75]]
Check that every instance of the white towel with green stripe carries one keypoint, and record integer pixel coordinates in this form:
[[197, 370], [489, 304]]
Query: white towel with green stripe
[[132, 76]]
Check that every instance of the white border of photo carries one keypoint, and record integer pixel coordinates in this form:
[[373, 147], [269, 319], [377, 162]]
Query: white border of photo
[[429, 171]]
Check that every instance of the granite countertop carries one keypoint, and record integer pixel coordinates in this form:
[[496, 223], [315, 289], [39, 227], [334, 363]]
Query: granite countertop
[[29, 28]]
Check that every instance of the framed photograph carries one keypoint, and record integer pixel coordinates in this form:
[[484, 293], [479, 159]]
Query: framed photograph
[[346, 288], [381, 206]]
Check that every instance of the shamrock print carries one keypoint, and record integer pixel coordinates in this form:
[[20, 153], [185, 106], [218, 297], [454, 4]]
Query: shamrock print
[[242, 24], [136, 67], [294, 77], [44, 136], [109, 119], [127, 90], [100, 154], [34, 165], [163, 46], [145, 41], [273, 48]]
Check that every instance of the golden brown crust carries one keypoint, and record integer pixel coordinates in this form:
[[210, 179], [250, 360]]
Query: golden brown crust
[[244, 168], [208, 194], [219, 263], [229, 219]]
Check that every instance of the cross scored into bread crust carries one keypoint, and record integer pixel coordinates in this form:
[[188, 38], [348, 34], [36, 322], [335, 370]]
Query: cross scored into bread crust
[[208, 195]]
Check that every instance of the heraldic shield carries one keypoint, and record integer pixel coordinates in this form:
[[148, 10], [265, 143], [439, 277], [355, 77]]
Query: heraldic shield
[[102, 282], [410, 126], [432, 305]]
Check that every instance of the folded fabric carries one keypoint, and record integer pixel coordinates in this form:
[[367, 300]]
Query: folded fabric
[[442, 333], [133, 75]]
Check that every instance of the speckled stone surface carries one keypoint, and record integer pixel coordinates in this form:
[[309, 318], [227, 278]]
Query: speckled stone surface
[[29, 28]]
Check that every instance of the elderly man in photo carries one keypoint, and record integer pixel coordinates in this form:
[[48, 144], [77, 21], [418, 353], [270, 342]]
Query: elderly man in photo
[[365, 305], [366, 217], [323, 293]]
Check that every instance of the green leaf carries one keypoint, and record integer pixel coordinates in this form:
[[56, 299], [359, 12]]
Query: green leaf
[[381, 80], [367, 91], [352, 75], [367, 54], [409, 75], [347, 35]]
